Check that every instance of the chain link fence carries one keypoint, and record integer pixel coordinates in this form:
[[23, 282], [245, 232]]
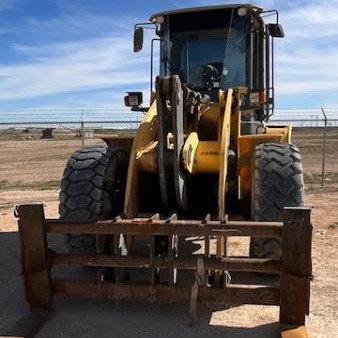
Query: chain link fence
[[34, 153], [35, 146]]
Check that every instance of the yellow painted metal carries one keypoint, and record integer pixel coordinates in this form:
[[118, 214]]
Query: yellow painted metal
[[200, 156], [203, 152], [235, 131], [189, 151], [225, 104], [298, 332], [145, 134], [225, 100], [246, 147], [207, 157], [123, 141], [285, 131], [147, 157], [230, 122], [247, 143]]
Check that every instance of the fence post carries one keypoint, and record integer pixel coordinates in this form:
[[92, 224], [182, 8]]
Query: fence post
[[324, 147], [296, 267], [82, 132], [34, 256]]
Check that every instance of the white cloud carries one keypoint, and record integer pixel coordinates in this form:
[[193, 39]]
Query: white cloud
[[305, 87], [79, 63], [80, 22], [307, 59], [315, 19], [96, 54], [73, 66]]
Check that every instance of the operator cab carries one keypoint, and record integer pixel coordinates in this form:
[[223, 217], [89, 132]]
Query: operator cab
[[206, 49], [217, 47]]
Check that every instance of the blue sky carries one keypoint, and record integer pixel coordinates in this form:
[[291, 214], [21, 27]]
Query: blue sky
[[78, 53]]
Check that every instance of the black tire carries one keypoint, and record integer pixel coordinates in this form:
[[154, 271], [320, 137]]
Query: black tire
[[92, 188], [277, 182]]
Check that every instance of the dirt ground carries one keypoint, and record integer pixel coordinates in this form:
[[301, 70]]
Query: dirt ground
[[30, 170]]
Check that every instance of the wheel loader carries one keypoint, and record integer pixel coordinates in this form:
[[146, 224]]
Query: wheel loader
[[205, 149], [151, 213]]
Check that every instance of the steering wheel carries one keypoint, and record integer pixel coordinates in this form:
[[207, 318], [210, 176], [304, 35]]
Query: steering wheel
[[210, 74]]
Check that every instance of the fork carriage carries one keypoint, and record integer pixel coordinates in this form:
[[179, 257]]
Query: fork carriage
[[293, 270]]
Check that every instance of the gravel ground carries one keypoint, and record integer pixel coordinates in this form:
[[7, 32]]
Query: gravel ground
[[104, 318]]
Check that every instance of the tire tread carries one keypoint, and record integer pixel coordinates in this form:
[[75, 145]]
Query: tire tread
[[277, 183]]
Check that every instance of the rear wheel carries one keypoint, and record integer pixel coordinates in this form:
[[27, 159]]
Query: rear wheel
[[92, 188], [277, 182]]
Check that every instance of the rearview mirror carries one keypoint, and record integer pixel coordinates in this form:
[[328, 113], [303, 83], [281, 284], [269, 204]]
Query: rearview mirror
[[138, 39], [276, 30]]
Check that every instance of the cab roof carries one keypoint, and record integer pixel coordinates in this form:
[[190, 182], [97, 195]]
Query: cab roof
[[255, 8]]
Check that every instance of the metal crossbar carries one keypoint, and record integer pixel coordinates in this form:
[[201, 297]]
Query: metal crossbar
[[293, 270]]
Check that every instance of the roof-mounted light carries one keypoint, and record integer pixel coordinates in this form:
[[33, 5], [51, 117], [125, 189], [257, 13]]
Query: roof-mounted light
[[158, 19], [242, 11]]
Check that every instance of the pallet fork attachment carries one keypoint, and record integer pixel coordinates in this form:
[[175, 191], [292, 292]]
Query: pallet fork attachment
[[294, 268]]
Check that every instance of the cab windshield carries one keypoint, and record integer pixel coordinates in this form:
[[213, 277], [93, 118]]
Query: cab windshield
[[210, 58]]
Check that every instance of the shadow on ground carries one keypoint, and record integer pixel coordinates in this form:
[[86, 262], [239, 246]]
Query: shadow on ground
[[12, 303], [105, 318]]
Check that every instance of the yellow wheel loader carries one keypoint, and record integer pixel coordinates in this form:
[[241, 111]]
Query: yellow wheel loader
[[204, 149], [204, 166]]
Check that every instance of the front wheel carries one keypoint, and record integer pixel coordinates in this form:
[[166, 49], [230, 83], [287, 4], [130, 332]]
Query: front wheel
[[277, 182], [92, 189]]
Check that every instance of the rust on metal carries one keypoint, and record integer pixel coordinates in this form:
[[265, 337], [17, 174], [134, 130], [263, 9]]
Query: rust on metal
[[172, 218], [160, 227], [200, 280], [294, 332], [161, 292], [170, 260], [296, 266], [143, 220], [182, 263], [34, 256]]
